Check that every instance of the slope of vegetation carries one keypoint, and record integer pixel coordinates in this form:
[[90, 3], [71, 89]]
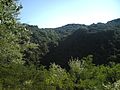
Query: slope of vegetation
[[24, 47], [101, 40]]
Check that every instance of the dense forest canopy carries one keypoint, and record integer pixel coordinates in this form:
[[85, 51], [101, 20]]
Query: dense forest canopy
[[78, 40], [71, 57]]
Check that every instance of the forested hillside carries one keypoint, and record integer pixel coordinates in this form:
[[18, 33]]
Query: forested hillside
[[71, 57], [77, 41]]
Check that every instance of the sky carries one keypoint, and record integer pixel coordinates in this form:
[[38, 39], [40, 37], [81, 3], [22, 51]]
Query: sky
[[56, 13]]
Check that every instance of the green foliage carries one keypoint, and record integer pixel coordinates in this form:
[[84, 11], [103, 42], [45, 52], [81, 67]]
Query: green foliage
[[46, 39], [14, 37], [58, 77], [19, 68], [100, 40], [114, 86], [9, 49], [88, 76]]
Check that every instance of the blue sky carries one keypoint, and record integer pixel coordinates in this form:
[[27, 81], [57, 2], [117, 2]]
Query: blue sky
[[55, 13]]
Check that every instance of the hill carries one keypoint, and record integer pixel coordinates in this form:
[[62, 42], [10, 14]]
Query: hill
[[102, 40]]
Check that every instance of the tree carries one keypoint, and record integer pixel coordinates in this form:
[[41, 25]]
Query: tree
[[58, 78], [14, 38]]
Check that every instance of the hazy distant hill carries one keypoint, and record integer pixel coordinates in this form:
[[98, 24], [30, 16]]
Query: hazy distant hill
[[115, 22]]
